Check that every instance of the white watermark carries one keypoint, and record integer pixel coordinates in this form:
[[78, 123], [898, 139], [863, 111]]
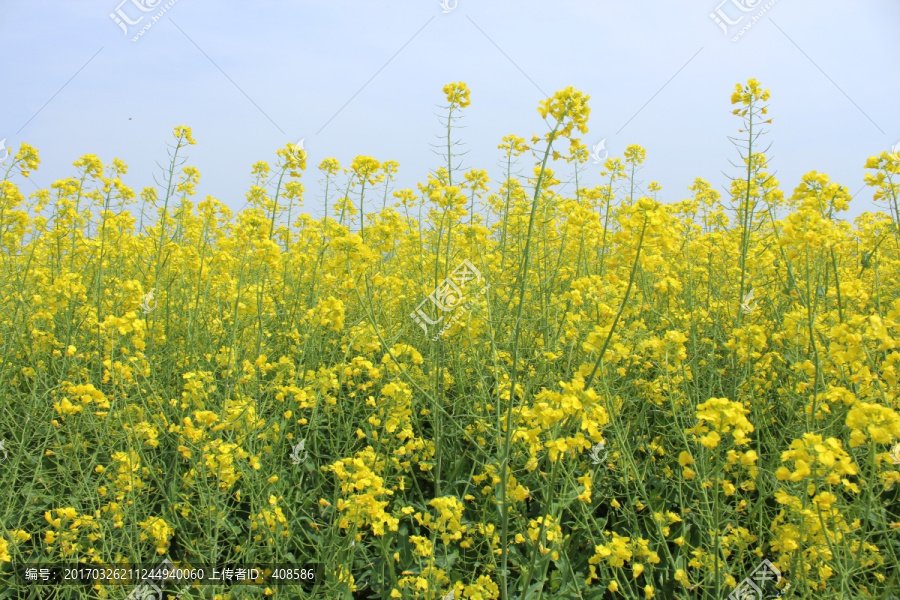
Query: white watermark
[[148, 590], [895, 454], [146, 307], [596, 449], [124, 19], [3, 449], [894, 153], [448, 297], [448, 5], [736, 19], [751, 588], [748, 305], [3, 150], [296, 450], [459, 313], [296, 150], [595, 152]]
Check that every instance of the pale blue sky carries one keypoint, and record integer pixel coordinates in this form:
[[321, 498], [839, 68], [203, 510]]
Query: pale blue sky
[[251, 76]]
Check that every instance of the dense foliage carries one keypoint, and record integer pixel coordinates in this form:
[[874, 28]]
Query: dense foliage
[[463, 393]]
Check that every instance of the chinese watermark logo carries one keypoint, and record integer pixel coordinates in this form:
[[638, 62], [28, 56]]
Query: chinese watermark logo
[[148, 588], [595, 152], [149, 593], [3, 150], [736, 15], [295, 150], [447, 297], [449, 5], [124, 20], [295, 453], [449, 595], [895, 454], [3, 449], [146, 300], [748, 305], [894, 154], [596, 449], [751, 588]]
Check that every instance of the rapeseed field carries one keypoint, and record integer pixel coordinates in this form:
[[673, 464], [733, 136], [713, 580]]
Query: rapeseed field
[[513, 389]]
